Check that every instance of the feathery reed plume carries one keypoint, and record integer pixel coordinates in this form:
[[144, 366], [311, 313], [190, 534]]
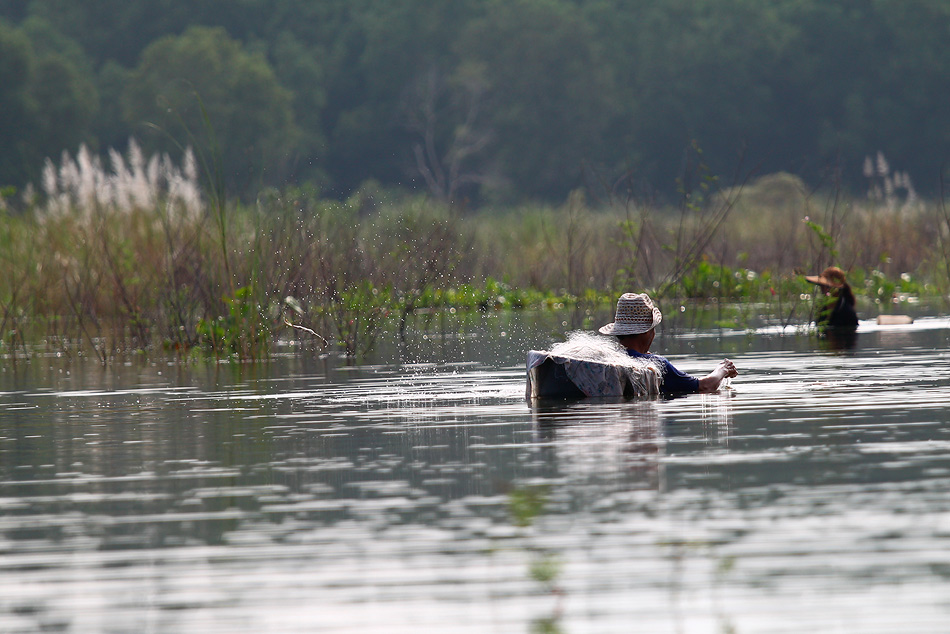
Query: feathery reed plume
[[83, 184], [885, 186]]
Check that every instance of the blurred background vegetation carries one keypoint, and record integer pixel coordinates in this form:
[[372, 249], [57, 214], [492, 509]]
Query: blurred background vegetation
[[216, 174], [481, 101]]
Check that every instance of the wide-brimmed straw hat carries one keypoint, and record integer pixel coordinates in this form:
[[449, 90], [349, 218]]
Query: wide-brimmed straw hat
[[635, 314], [831, 277]]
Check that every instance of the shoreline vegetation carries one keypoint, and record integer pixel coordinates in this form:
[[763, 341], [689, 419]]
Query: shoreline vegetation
[[136, 255]]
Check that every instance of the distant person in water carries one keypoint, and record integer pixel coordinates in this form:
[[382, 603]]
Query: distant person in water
[[836, 309], [634, 326]]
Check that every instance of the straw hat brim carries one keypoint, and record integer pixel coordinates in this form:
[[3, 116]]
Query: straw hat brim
[[821, 280], [613, 328], [831, 277]]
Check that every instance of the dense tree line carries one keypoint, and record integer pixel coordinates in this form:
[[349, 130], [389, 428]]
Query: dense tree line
[[480, 99]]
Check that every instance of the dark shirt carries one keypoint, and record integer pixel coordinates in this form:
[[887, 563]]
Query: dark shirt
[[674, 381], [838, 312]]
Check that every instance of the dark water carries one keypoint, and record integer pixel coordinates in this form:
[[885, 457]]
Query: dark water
[[308, 496]]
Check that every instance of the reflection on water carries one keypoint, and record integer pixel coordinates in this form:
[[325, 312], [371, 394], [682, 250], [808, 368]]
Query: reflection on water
[[814, 494], [839, 339]]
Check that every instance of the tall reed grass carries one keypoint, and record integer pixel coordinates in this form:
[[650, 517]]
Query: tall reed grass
[[129, 256]]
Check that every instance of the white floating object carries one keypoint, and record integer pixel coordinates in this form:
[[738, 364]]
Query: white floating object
[[894, 320]]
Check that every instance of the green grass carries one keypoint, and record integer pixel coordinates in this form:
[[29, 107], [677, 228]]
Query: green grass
[[101, 279]]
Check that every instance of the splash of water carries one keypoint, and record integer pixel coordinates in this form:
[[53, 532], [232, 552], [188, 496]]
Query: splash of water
[[585, 346]]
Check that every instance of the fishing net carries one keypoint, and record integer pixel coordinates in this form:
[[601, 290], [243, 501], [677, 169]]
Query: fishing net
[[595, 365]]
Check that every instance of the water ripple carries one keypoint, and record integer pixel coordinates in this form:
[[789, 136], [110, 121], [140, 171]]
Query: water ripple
[[812, 493]]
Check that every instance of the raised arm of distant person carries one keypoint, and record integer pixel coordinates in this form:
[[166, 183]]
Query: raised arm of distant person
[[710, 383]]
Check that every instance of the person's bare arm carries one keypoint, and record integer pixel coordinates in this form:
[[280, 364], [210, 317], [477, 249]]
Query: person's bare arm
[[710, 382]]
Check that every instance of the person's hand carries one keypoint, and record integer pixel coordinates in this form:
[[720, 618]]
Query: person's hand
[[726, 369], [729, 368]]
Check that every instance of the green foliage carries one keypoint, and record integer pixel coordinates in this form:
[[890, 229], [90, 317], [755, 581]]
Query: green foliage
[[826, 240], [526, 503], [708, 280], [496, 295], [546, 625], [559, 118], [237, 93], [48, 100], [887, 292], [123, 272], [243, 330], [357, 312], [538, 96], [299, 64], [546, 569]]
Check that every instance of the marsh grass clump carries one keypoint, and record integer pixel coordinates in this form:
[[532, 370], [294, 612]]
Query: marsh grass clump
[[83, 185], [131, 254], [126, 258]]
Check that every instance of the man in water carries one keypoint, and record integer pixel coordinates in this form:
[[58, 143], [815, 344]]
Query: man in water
[[634, 326], [836, 310]]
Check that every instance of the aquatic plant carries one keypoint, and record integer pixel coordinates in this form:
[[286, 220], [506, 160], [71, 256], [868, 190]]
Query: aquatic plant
[[129, 254], [525, 505], [828, 251], [84, 185], [245, 330]]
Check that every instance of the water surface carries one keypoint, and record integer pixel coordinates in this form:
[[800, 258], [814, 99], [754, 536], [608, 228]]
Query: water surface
[[813, 494]]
